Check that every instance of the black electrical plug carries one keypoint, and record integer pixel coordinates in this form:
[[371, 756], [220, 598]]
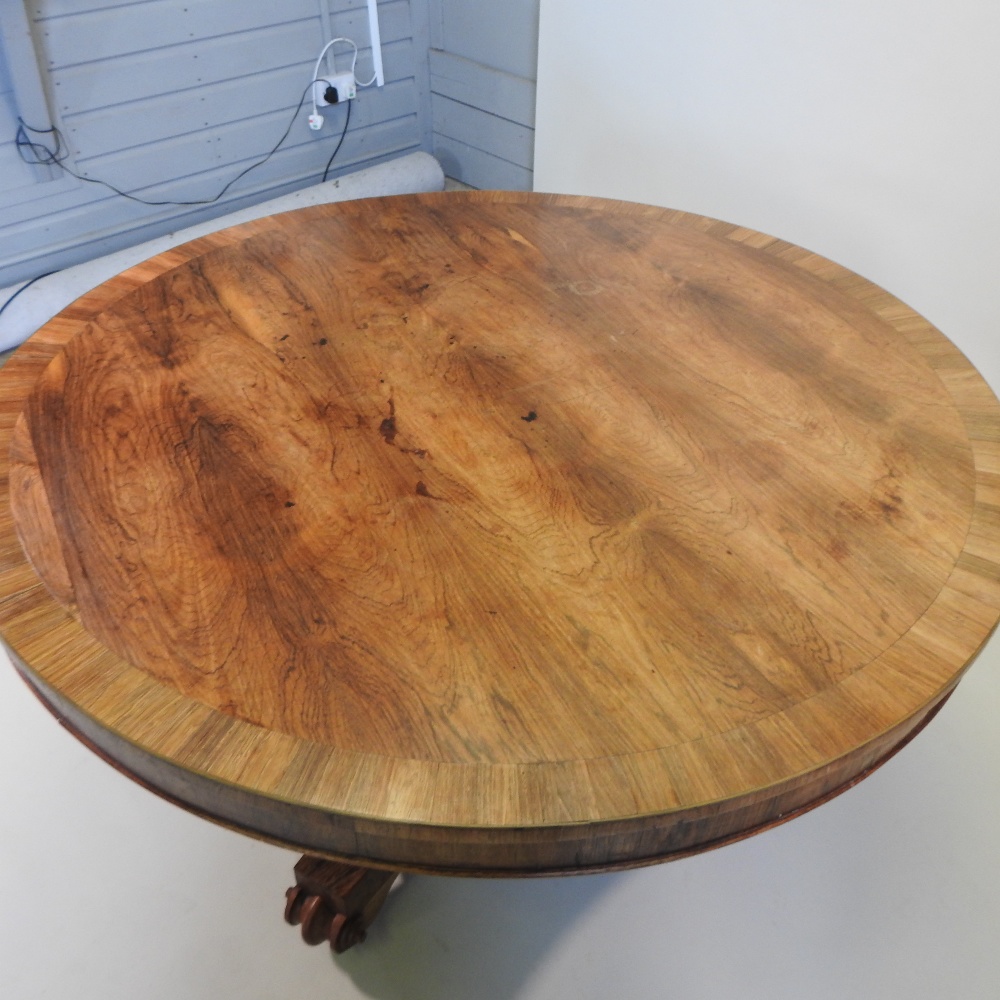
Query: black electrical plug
[[330, 95]]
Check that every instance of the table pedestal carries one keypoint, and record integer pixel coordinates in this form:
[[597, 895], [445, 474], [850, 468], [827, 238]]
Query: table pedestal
[[335, 902]]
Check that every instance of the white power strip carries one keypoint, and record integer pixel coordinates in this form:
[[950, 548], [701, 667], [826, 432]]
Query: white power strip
[[342, 84]]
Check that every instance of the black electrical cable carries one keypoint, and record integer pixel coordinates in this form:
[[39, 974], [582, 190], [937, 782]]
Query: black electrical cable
[[44, 155], [343, 132], [54, 157], [26, 285]]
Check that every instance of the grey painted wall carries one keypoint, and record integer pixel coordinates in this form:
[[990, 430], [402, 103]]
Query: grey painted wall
[[173, 98], [482, 70]]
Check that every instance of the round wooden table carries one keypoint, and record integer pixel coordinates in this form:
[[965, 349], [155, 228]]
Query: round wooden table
[[494, 534]]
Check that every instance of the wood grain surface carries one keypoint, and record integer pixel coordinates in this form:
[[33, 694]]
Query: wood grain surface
[[496, 532]]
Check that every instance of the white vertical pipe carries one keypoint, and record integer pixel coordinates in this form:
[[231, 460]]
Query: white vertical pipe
[[324, 17], [376, 40]]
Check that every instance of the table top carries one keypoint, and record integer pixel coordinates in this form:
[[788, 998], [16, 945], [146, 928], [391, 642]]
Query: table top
[[496, 532]]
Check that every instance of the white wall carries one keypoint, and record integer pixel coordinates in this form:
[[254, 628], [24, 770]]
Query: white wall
[[866, 130]]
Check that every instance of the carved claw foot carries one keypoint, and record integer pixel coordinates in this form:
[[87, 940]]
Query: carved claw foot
[[335, 902]]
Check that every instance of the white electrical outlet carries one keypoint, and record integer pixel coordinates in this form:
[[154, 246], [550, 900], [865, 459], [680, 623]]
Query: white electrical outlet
[[342, 84]]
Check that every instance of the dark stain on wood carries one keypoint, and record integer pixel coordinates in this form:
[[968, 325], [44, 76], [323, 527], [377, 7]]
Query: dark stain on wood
[[388, 426]]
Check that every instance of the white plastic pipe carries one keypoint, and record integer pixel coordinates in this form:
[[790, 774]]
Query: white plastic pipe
[[39, 303], [376, 40]]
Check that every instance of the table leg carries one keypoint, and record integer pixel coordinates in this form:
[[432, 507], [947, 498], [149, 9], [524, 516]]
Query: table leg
[[335, 902]]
